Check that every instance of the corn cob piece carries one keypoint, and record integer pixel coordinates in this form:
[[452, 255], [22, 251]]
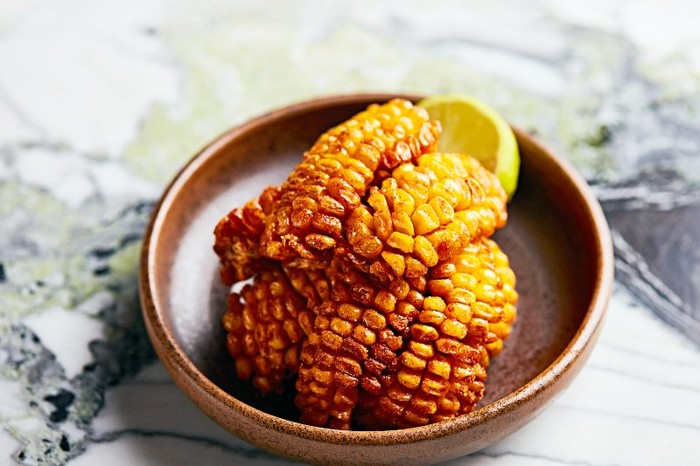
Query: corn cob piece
[[422, 214], [332, 178], [237, 237], [357, 337], [469, 308], [266, 324], [373, 276]]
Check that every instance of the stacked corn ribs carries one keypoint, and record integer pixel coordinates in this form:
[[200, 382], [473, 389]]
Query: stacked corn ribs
[[374, 279]]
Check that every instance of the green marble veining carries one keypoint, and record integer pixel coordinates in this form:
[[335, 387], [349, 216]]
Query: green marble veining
[[235, 68], [234, 64]]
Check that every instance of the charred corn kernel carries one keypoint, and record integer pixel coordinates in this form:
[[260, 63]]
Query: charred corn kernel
[[350, 312], [334, 176], [265, 328], [374, 319], [331, 341], [454, 202], [237, 237]]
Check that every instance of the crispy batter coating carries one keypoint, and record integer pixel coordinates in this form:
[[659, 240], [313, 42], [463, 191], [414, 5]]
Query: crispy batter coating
[[374, 280]]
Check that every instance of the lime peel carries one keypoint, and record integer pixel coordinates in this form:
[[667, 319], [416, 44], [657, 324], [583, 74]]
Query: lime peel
[[473, 127]]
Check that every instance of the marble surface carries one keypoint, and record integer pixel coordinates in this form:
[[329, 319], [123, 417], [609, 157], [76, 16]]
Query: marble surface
[[100, 104]]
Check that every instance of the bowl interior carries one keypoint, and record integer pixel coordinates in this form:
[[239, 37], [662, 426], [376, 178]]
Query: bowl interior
[[550, 239]]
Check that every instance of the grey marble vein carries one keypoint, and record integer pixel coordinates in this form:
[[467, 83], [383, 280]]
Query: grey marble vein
[[633, 137], [633, 270]]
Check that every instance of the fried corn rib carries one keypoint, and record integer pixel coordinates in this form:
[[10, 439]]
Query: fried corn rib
[[266, 323], [411, 354], [468, 310], [424, 213], [358, 335], [330, 182], [374, 281], [302, 220]]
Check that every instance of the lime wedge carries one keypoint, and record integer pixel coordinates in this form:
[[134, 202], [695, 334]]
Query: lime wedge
[[470, 126]]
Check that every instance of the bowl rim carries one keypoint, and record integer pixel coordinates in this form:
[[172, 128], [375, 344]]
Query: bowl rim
[[175, 360]]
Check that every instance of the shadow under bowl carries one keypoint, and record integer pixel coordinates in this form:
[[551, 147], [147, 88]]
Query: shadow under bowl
[[557, 240]]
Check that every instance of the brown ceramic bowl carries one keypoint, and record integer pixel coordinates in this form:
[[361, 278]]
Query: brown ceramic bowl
[[557, 239]]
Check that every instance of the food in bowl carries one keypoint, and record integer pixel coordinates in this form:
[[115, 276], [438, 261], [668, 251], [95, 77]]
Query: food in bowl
[[373, 278]]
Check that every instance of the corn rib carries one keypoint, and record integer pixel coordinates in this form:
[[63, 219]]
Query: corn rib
[[422, 214], [330, 182]]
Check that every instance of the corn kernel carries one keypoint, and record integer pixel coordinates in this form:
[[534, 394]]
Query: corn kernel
[[401, 222], [385, 301], [435, 303], [424, 333], [431, 316], [424, 251], [331, 340], [424, 219], [364, 335], [374, 320], [422, 350], [439, 367], [409, 378], [349, 312], [400, 241], [412, 361], [453, 328], [341, 327]]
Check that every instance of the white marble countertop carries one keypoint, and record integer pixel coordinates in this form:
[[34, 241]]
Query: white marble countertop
[[100, 105]]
